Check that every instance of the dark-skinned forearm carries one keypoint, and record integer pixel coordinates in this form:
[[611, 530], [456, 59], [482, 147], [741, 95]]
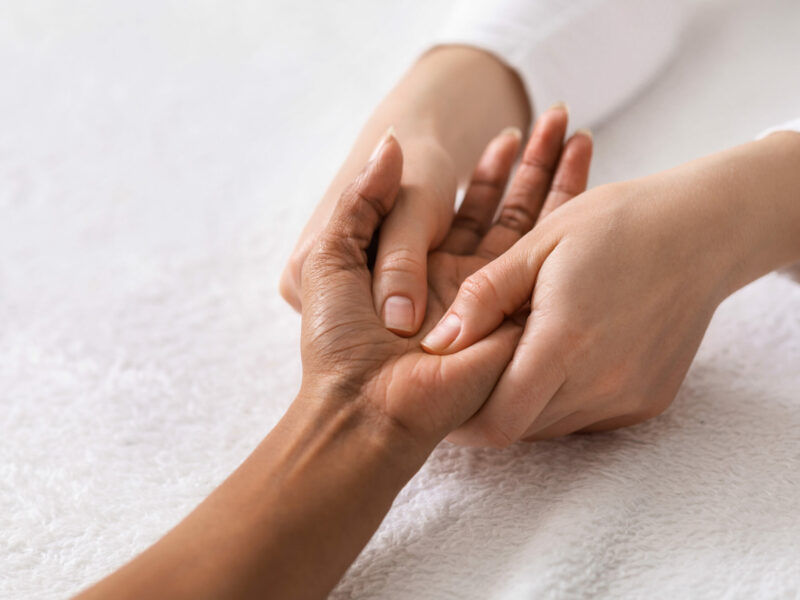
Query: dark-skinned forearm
[[290, 520]]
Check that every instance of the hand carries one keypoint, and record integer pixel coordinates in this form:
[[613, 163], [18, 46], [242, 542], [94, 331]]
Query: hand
[[346, 347], [446, 88], [622, 283], [348, 353], [418, 222], [550, 174]]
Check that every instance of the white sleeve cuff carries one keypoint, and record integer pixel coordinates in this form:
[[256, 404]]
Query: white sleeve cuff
[[788, 126]]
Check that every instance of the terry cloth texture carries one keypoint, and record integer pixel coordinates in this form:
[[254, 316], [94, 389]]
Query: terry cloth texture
[[156, 166]]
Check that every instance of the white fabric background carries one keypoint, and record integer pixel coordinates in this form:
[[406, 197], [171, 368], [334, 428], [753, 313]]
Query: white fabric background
[[157, 160]]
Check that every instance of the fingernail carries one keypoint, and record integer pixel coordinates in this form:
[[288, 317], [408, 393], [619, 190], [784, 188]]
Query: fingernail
[[390, 133], [398, 314], [559, 106], [585, 132], [512, 131], [444, 334]]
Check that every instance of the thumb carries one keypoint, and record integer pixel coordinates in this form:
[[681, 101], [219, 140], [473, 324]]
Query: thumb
[[342, 245], [419, 221], [490, 295]]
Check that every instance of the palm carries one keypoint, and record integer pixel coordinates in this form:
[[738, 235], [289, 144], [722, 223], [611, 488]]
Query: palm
[[430, 391], [446, 272], [427, 393], [424, 391]]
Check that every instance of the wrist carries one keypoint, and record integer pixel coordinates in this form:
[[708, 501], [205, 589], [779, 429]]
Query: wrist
[[736, 212], [335, 416], [764, 188], [435, 91]]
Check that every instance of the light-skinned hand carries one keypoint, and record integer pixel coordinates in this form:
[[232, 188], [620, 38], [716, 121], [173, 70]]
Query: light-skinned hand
[[621, 284]]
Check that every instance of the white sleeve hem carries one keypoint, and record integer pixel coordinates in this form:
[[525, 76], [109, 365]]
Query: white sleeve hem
[[788, 126]]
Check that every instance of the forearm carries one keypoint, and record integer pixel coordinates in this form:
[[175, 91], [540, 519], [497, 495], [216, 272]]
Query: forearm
[[290, 519], [743, 204], [762, 182]]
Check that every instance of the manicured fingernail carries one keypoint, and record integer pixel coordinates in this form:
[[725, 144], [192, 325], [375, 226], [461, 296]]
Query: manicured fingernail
[[382, 142], [585, 132], [441, 336], [559, 106], [513, 132], [398, 314]]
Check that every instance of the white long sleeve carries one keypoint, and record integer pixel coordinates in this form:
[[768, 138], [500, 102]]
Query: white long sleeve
[[592, 54], [788, 126]]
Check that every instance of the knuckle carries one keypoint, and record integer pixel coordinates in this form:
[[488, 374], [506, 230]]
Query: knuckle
[[489, 185], [333, 251], [567, 189], [357, 199], [482, 432], [494, 435], [470, 222], [478, 288], [400, 260], [649, 408], [535, 166], [517, 216], [358, 214], [370, 208]]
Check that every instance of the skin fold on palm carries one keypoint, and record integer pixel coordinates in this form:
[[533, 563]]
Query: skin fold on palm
[[345, 342]]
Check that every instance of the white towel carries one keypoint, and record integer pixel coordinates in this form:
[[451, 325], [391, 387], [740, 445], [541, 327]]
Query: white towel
[[155, 168]]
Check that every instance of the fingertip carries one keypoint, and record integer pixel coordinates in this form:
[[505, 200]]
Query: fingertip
[[390, 149], [398, 315], [548, 134], [401, 299], [512, 132], [507, 142], [441, 338], [498, 158], [360, 210], [556, 114], [559, 106], [381, 175], [581, 142]]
